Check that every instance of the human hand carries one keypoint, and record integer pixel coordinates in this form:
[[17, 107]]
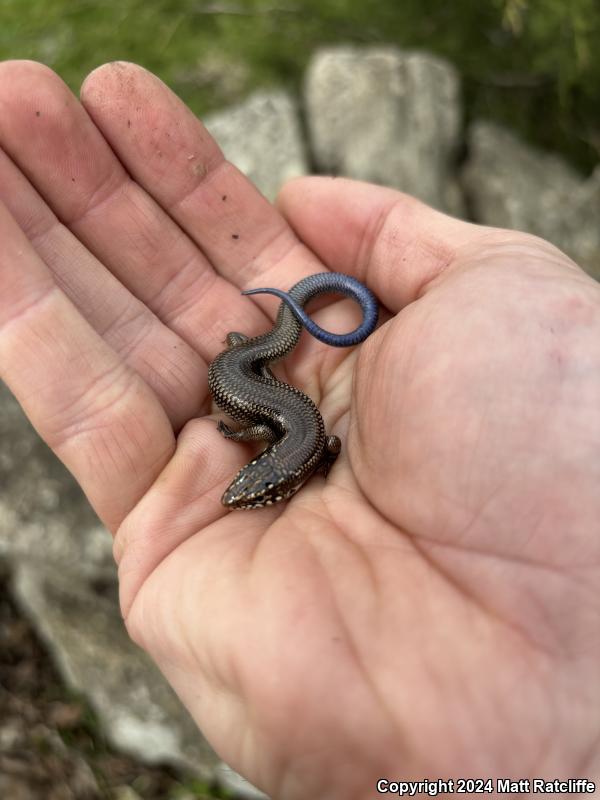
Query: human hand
[[428, 610]]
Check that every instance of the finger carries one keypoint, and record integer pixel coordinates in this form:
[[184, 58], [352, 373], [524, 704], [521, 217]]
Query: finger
[[169, 366], [97, 415], [393, 242], [52, 139], [170, 153]]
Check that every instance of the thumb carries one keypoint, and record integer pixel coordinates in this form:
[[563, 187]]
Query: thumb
[[390, 240]]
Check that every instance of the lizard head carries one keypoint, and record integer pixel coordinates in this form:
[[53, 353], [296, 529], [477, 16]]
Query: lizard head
[[260, 484]]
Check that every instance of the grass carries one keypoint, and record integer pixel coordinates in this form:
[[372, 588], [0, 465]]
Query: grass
[[529, 64]]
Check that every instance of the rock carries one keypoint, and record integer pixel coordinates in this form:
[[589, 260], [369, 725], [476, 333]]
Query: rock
[[221, 72], [391, 117], [85, 635], [65, 581], [512, 185], [44, 515], [237, 785], [125, 793], [262, 137], [52, 771]]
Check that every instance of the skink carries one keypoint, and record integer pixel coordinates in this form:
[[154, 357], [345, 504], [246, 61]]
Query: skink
[[244, 387]]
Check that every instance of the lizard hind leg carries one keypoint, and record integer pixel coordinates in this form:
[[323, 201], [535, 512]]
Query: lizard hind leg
[[251, 433], [333, 447], [234, 338]]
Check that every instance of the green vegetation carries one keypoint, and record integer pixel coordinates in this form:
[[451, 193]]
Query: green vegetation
[[530, 64]]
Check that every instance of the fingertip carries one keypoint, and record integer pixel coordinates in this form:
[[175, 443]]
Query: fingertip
[[18, 67], [31, 91], [112, 71]]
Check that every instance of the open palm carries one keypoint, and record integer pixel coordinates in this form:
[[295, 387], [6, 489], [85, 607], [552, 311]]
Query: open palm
[[428, 610]]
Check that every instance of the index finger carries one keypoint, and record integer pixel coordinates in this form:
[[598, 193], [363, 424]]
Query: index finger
[[168, 151]]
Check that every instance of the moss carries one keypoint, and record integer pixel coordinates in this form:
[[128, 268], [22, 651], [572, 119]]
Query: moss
[[530, 64]]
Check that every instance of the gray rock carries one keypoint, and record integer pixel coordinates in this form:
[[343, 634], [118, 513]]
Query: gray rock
[[386, 116], [85, 635], [65, 581], [237, 785], [125, 793], [44, 515], [24, 774], [512, 185], [262, 137]]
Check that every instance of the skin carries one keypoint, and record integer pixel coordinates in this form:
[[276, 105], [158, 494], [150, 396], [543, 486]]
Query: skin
[[429, 610]]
